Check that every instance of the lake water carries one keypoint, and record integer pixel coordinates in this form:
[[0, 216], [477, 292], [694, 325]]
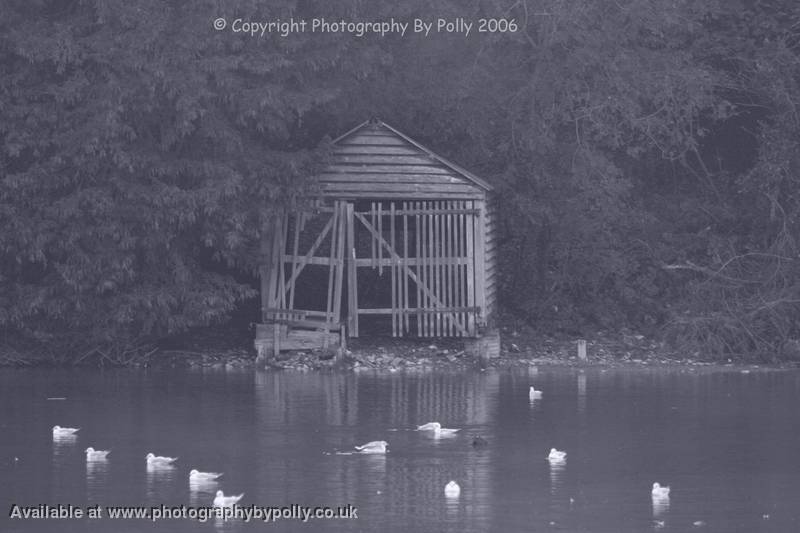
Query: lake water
[[727, 442]]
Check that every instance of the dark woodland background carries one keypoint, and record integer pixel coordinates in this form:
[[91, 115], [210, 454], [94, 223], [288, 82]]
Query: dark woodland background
[[645, 153]]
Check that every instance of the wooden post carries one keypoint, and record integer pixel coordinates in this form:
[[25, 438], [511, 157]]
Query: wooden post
[[331, 272], [431, 269], [281, 297], [352, 282], [266, 266], [417, 239], [480, 262], [337, 295], [405, 268], [460, 297], [449, 267], [380, 232], [298, 221], [394, 279], [276, 340], [470, 220], [582, 350], [374, 241]]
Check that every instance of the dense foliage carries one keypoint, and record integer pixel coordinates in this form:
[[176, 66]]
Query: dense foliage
[[645, 154]]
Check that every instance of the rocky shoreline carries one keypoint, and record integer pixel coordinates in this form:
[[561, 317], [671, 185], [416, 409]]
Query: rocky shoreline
[[228, 351]]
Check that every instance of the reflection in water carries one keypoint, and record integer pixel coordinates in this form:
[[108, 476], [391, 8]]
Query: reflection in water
[[231, 524], [452, 492], [96, 479], [559, 501], [159, 484], [581, 393], [202, 492], [660, 506], [64, 453]]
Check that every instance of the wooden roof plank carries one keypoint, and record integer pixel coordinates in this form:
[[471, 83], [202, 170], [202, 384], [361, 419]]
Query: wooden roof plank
[[370, 145], [368, 149], [391, 178], [372, 139], [382, 159], [390, 169], [397, 187]]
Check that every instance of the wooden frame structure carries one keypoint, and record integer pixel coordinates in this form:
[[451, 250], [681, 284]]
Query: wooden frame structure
[[390, 208]]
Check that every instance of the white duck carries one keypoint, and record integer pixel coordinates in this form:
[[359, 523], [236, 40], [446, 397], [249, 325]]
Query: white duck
[[452, 490], [96, 455], [534, 394], [203, 477], [437, 428], [556, 455], [59, 432], [220, 500], [659, 492], [157, 461], [375, 446]]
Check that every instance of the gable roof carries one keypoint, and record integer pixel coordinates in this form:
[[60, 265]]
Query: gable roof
[[374, 159]]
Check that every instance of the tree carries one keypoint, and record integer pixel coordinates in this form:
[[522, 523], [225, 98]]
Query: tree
[[137, 143]]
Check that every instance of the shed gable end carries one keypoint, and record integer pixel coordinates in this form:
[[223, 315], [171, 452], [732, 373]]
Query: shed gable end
[[376, 161]]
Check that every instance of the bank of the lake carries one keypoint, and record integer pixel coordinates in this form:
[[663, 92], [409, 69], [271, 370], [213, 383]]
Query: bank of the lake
[[227, 347]]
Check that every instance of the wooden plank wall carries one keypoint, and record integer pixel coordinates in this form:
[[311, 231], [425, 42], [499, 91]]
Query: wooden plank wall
[[490, 254], [376, 163]]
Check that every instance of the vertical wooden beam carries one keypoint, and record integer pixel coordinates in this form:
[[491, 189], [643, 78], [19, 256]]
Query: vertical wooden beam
[[460, 276], [275, 267], [449, 266], [282, 259], [470, 224], [440, 267], [276, 339], [431, 270], [404, 269], [374, 240], [331, 269], [380, 232], [299, 220], [394, 269], [352, 282], [417, 240], [266, 264], [337, 295], [480, 262], [424, 219]]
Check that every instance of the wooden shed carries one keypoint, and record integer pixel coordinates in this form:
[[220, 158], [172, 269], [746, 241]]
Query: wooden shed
[[398, 241]]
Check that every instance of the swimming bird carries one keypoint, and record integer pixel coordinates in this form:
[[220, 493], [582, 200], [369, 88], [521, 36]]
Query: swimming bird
[[452, 490], [96, 455], [375, 446], [534, 394], [59, 432], [200, 477], [556, 455], [159, 461], [220, 500], [437, 428], [659, 491]]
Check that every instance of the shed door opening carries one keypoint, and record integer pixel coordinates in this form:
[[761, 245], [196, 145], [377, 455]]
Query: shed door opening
[[411, 269]]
